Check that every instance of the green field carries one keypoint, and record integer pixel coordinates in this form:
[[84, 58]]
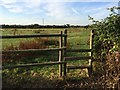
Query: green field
[[78, 38]]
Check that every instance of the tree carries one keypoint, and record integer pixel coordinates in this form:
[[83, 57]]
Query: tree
[[67, 25]]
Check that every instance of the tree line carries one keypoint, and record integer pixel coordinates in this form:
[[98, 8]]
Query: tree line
[[43, 26]]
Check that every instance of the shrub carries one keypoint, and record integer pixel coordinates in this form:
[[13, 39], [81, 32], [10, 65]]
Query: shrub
[[107, 34], [106, 43]]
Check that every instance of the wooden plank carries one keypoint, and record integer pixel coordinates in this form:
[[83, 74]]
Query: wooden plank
[[77, 67], [32, 36], [78, 50], [31, 65], [77, 58], [32, 50]]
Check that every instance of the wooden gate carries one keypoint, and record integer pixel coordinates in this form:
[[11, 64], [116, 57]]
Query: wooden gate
[[89, 58], [61, 48], [63, 60]]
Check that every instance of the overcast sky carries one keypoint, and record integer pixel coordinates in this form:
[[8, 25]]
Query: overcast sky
[[61, 12]]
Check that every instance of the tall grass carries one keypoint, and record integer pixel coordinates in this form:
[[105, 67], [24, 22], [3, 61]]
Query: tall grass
[[37, 43]]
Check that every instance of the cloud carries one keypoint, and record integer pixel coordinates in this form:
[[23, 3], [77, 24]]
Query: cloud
[[82, 0], [54, 9], [33, 3], [14, 8], [8, 1], [99, 8], [18, 6], [101, 12], [75, 11], [11, 6]]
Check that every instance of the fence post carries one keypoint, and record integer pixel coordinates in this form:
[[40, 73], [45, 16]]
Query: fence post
[[65, 41], [65, 45], [91, 53], [60, 54]]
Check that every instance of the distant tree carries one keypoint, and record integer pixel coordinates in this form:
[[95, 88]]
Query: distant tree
[[68, 25]]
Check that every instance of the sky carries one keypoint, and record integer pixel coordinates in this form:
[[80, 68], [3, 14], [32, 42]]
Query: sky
[[53, 12]]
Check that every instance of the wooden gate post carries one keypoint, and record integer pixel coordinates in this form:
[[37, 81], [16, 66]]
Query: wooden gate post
[[65, 45], [91, 53], [60, 54], [65, 41]]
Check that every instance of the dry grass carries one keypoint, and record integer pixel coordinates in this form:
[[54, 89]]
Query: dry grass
[[37, 43]]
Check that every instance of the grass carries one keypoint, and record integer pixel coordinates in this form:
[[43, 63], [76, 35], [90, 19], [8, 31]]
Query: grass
[[78, 38]]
